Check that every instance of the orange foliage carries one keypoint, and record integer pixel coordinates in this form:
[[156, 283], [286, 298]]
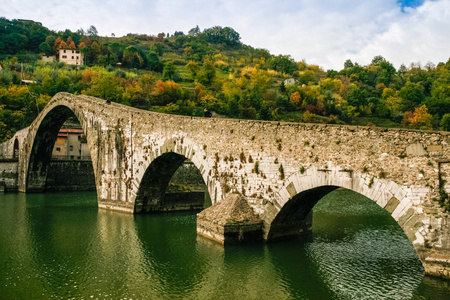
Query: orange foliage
[[63, 45], [419, 119], [70, 43], [86, 77], [166, 87], [296, 98], [57, 44]]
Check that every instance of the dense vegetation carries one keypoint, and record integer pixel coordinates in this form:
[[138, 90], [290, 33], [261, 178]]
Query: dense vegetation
[[183, 73]]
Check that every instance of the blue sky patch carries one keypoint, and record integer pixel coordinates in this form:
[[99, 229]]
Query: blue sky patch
[[410, 3]]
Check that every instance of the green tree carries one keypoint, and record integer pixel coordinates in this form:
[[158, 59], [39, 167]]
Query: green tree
[[412, 94], [207, 73], [46, 48], [218, 35], [170, 72], [283, 63], [132, 58], [153, 62], [445, 122], [193, 68], [104, 85]]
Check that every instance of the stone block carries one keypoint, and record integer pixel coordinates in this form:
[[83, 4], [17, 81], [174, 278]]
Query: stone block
[[415, 149], [405, 217], [291, 190], [392, 205], [434, 148]]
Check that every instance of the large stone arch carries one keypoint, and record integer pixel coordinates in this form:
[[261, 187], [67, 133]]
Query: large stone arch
[[42, 134], [169, 154], [290, 212]]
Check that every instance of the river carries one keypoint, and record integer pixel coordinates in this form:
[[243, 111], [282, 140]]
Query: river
[[60, 246]]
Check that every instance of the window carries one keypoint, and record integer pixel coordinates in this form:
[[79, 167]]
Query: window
[[78, 51], [64, 51], [58, 149], [64, 56], [72, 57], [71, 147], [72, 52]]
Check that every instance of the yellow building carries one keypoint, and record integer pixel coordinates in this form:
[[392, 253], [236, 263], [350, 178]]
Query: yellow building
[[71, 56]]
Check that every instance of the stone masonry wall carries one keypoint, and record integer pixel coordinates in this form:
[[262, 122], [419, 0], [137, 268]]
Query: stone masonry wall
[[8, 174], [69, 175]]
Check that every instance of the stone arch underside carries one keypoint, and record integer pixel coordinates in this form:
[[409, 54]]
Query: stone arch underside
[[295, 217], [171, 153], [16, 148], [150, 195], [42, 146], [298, 197]]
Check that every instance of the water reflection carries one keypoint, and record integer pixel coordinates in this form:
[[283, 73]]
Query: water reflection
[[59, 246]]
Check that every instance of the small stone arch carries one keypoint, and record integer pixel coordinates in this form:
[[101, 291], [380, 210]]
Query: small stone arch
[[290, 212], [171, 154], [16, 148]]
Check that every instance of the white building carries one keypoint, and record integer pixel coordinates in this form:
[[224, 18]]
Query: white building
[[289, 81], [71, 56], [71, 143]]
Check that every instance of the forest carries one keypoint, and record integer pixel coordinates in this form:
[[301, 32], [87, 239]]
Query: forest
[[182, 73]]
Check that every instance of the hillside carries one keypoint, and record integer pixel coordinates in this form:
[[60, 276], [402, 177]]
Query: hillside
[[181, 73]]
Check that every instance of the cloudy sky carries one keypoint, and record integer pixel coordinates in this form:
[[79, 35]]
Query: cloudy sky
[[322, 32]]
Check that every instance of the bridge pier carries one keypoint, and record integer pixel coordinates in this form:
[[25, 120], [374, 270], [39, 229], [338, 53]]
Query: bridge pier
[[435, 262], [230, 221]]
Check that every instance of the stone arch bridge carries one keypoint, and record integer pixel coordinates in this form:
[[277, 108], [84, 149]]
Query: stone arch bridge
[[263, 177]]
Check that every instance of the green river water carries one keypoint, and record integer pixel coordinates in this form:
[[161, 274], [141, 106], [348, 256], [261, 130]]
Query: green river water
[[60, 246]]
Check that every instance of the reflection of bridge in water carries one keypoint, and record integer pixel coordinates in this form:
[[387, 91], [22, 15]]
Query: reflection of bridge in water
[[281, 170]]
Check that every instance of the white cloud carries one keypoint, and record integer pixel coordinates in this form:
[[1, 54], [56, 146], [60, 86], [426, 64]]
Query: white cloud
[[323, 32]]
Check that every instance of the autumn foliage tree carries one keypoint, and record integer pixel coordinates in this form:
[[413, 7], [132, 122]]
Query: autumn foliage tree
[[419, 119]]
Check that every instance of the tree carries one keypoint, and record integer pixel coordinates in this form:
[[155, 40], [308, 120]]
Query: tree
[[132, 57], [92, 31], [445, 122], [170, 72], [419, 119], [208, 72], [333, 85], [153, 62], [439, 102], [296, 98], [193, 68], [226, 36], [103, 85], [194, 31], [348, 64], [283, 63], [412, 94], [70, 43], [167, 92], [46, 48]]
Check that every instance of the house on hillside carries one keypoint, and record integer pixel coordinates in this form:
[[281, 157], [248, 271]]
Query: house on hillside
[[289, 81], [71, 144], [71, 56], [48, 58]]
